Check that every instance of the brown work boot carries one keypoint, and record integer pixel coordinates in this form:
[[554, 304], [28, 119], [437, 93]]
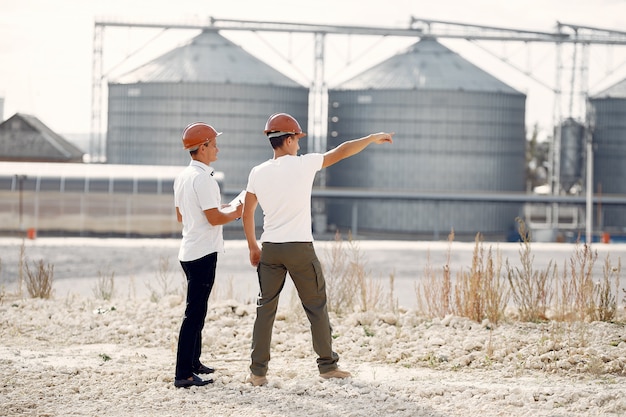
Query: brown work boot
[[336, 373], [256, 380]]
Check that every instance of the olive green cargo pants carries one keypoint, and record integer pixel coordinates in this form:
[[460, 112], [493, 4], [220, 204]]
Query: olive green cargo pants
[[300, 260]]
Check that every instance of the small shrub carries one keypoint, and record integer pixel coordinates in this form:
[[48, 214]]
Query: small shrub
[[39, 281]]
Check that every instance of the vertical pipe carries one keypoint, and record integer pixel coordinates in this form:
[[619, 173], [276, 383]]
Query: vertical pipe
[[589, 193], [355, 216], [20, 180]]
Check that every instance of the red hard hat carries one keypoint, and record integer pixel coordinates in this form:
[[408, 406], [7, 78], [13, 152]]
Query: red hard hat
[[282, 124], [198, 133]]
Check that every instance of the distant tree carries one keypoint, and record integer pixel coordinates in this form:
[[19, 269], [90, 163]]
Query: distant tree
[[537, 159]]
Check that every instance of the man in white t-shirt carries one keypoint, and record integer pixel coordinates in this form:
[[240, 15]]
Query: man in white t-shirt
[[282, 187], [198, 202]]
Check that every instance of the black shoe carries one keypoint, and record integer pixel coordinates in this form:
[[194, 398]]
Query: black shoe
[[195, 381], [204, 370]]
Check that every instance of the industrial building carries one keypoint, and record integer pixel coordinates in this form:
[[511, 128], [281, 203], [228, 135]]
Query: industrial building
[[25, 138], [459, 129], [72, 199], [458, 160], [210, 79], [608, 108]]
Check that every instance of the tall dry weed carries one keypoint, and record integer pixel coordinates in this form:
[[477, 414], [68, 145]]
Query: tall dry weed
[[164, 282], [496, 290], [2, 290], [481, 292], [531, 289], [563, 298], [223, 290], [349, 284], [434, 291], [104, 289], [339, 283], [606, 291], [468, 300], [581, 281], [21, 268]]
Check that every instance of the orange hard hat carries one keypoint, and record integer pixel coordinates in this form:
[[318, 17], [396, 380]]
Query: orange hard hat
[[198, 133], [282, 124]]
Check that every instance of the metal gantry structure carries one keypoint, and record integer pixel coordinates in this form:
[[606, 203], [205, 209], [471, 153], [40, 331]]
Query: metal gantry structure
[[570, 84]]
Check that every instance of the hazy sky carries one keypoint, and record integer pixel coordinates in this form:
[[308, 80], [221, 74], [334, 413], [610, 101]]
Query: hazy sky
[[46, 46]]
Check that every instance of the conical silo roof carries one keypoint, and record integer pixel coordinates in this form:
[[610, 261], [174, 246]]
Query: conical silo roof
[[615, 91], [426, 65], [208, 58]]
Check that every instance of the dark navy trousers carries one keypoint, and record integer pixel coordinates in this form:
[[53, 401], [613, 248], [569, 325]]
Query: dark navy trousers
[[200, 278]]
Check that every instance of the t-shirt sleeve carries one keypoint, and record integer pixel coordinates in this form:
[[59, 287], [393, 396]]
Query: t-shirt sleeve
[[208, 192], [250, 186], [314, 160], [176, 192]]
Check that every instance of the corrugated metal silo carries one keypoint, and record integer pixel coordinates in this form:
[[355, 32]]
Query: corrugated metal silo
[[458, 129], [212, 80], [572, 145], [609, 156]]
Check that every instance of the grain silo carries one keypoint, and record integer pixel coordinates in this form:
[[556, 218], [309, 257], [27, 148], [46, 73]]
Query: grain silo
[[572, 153], [609, 144], [212, 80], [458, 130]]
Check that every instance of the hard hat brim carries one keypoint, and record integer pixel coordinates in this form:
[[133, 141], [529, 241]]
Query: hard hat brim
[[271, 135]]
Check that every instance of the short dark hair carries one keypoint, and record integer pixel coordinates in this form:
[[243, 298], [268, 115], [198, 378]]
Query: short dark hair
[[278, 141]]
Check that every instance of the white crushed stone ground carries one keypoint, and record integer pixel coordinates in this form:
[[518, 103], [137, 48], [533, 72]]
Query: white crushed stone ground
[[80, 357], [77, 355]]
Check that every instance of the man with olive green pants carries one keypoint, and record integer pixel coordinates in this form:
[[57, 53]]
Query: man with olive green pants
[[282, 187]]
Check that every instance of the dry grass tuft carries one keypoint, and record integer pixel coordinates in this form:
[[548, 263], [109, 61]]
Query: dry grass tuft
[[105, 286], [349, 284], [530, 289], [164, 281], [484, 290], [39, 281], [606, 292], [434, 292], [2, 290], [581, 280], [222, 290], [480, 293]]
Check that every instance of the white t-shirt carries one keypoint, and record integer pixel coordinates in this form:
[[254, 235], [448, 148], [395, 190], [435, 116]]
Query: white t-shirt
[[195, 190], [283, 188]]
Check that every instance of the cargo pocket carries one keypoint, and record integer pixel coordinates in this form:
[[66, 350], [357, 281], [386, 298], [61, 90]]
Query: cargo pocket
[[319, 276]]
